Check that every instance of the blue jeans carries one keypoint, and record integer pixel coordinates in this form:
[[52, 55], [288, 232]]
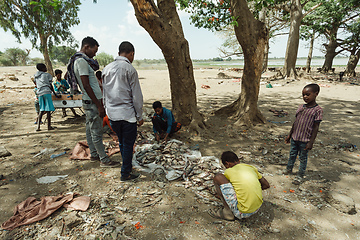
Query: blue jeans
[[94, 132], [296, 148], [126, 133]]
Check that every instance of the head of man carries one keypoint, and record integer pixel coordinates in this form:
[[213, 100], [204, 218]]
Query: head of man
[[229, 159], [89, 46], [126, 49]]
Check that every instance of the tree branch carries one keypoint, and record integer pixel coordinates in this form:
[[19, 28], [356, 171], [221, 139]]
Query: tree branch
[[352, 17], [312, 9], [24, 13]]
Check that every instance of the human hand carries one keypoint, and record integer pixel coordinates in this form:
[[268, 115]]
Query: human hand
[[157, 137], [309, 146], [141, 122], [287, 139], [101, 110]]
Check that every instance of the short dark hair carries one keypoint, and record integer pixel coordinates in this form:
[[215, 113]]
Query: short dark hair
[[89, 41], [229, 156], [157, 104], [313, 87], [98, 74], [58, 71], [40, 66], [126, 47]]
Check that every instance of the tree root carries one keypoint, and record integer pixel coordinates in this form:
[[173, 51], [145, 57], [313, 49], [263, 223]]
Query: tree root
[[197, 123]]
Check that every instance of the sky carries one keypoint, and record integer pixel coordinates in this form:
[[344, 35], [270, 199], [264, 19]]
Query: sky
[[112, 21]]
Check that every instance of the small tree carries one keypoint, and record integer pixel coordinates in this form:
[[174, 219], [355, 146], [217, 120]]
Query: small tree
[[62, 53], [43, 22], [14, 57], [104, 58]]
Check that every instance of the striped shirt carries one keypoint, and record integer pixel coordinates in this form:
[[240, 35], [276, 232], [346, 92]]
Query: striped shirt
[[304, 122]]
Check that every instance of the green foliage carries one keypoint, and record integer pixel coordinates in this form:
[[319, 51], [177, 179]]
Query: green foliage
[[104, 59], [43, 22], [330, 16], [216, 14], [14, 57], [62, 54], [36, 60], [218, 59]]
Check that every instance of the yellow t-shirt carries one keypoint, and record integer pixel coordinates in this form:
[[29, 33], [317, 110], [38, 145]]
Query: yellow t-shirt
[[245, 180]]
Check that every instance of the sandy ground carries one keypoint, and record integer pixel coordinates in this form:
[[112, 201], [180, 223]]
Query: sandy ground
[[302, 213]]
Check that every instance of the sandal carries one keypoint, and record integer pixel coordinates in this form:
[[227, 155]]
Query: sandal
[[220, 215]]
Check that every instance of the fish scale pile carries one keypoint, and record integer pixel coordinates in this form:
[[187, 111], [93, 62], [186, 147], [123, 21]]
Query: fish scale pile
[[175, 160]]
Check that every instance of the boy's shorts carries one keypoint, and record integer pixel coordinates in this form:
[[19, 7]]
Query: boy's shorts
[[229, 194]]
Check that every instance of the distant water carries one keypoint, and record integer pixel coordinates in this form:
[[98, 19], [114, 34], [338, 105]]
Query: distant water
[[280, 62]]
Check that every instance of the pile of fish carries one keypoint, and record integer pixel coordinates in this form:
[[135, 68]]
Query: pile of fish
[[175, 160]]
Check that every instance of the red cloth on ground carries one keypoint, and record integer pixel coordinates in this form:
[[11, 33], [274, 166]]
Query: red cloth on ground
[[31, 210], [81, 151]]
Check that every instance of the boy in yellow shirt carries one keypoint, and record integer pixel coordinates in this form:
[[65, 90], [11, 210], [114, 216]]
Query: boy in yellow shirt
[[239, 188]]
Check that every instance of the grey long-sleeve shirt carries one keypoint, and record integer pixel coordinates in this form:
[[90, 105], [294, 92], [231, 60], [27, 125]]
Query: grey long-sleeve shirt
[[122, 96]]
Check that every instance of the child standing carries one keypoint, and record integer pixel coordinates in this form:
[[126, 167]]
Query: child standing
[[304, 130], [61, 86], [44, 88], [36, 103], [163, 122]]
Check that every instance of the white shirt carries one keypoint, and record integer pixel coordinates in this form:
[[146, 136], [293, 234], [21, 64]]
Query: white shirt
[[122, 96]]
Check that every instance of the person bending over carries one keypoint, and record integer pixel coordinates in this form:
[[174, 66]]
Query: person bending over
[[163, 121], [239, 188]]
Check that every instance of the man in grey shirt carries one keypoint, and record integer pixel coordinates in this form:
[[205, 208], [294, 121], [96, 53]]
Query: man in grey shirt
[[123, 102], [83, 68]]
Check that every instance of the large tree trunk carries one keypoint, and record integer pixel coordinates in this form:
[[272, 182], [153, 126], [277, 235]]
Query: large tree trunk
[[330, 51], [163, 24], [45, 51], [252, 36], [296, 16], [352, 63], [311, 48]]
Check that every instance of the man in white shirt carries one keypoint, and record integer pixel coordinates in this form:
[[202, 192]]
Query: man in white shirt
[[83, 65], [123, 101]]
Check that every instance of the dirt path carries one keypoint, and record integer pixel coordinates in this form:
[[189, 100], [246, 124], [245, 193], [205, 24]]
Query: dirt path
[[168, 210]]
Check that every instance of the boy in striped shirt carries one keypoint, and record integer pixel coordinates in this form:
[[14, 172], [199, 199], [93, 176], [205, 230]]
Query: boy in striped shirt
[[304, 130]]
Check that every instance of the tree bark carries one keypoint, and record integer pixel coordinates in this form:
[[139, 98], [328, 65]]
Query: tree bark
[[308, 60], [252, 36], [163, 24], [262, 18], [292, 47], [330, 50], [266, 56], [45, 51], [352, 63]]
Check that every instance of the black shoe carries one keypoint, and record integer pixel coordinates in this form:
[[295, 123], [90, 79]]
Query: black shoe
[[95, 159], [1, 177], [130, 177], [110, 164]]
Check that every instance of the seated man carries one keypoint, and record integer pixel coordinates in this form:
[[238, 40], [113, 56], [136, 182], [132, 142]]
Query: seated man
[[239, 188], [163, 122]]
